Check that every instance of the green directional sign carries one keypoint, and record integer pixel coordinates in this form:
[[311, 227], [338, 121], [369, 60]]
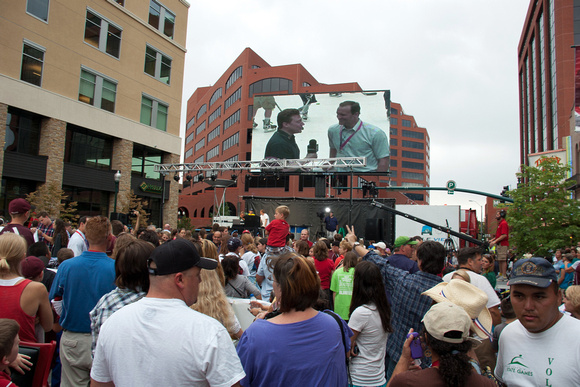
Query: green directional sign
[[451, 187]]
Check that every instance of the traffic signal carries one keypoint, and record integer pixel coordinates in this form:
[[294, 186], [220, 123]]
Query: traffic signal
[[504, 192]]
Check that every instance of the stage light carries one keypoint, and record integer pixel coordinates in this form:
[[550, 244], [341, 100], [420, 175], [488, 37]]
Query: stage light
[[188, 177], [213, 177], [176, 177], [234, 176], [327, 209]]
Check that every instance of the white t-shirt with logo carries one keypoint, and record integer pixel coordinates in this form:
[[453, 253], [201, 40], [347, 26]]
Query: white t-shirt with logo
[[549, 358]]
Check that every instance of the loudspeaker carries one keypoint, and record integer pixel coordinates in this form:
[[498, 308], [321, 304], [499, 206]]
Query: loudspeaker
[[319, 186], [375, 229]]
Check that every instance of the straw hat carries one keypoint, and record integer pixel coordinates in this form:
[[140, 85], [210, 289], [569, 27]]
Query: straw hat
[[472, 299]]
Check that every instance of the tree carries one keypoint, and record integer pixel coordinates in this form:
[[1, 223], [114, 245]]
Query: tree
[[543, 216], [51, 198], [137, 204], [184, 222]]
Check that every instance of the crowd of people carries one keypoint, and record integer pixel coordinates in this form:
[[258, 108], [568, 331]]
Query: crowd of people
[[154, 307]]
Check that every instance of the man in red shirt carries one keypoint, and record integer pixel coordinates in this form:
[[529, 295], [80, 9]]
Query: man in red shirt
[[502, 242]]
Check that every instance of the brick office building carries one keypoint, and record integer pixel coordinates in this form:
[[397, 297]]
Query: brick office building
[[87, 88], [546, 76], [219, 128]]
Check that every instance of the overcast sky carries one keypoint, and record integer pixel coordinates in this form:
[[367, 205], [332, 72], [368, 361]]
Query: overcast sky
[[452, 64]]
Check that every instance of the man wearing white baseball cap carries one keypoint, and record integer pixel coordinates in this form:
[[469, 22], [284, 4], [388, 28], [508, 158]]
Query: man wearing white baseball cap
[[541, 348]]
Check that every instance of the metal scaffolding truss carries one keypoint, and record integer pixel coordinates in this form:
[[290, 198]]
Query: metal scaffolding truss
[[346, 163]]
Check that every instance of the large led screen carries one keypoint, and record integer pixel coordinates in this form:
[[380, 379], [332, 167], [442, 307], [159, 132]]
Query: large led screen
[[330, 130]]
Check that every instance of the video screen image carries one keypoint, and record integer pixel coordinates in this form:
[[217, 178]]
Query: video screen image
[[323, 125]]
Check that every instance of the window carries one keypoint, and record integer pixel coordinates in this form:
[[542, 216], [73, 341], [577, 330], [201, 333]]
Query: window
[[213, 134], [393, 152], [411, 134], [393, 163], [393, 173], [215, 114], [190, 123], [199, 159], [97, 90], [411, 175], [154, 113], [216, 95], [231, 141], [144, 161], [189, 139], [406, 184], [413, 144], [38, 8], [22, 132], [393, 131], [161, 18], [213, 152], [233, 158], [394, 111], [236, 95], [271, 84], [88, 148], [32, 63], [412, 165], [232, 119], [394, 142], [200, 144], [413, 155], [415, 196], [236, 74], [189, 153], [157, 64], [406, 123], [201, 111], [200, 128], [394, 121], [102, 34]]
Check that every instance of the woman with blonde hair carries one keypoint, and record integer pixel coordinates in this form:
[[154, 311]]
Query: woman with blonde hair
[[212, 301], [22, 300], [209, 250], [251, 252]]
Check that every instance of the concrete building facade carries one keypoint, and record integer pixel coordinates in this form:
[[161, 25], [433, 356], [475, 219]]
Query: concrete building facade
[[87, 88]]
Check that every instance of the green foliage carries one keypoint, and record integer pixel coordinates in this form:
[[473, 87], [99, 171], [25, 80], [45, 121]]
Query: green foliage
[[224, 210], [185, 223], [543, 216], [51, 198]]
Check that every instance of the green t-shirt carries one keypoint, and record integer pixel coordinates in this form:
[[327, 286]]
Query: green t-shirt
[[341, 284]]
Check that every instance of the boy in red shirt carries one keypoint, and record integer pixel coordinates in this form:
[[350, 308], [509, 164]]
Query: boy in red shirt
[[278, 230]]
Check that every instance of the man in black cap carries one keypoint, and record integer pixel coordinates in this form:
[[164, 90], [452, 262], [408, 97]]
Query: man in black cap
[[541, 348], [19, 213], [159, 340]]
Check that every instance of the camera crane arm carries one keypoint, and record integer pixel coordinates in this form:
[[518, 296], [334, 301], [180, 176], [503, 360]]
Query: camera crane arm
[[460, 235]]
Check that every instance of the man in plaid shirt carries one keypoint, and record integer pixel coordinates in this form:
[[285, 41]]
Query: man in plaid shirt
[[45, 229], [408, 305]]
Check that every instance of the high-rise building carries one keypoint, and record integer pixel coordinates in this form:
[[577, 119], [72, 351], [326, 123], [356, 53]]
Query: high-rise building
[[87, 88], [220, 128], [546, 76], [409, 154]]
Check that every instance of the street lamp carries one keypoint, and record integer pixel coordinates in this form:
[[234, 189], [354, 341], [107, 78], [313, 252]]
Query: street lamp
[[117, 178]]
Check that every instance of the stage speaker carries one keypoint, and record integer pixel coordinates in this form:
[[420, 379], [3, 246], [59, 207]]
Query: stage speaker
[[319, 186], [251, 221], [375, 229]]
